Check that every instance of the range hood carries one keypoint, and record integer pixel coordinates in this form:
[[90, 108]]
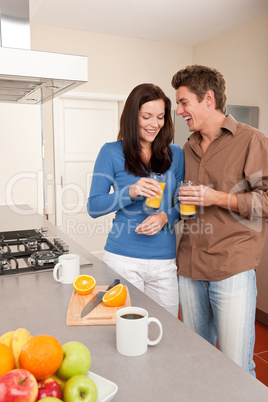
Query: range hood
[[27, 76]]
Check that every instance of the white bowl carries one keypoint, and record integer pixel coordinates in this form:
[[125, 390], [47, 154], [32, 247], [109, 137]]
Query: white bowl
[[106, 388]]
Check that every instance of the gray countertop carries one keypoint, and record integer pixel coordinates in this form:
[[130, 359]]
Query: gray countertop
[[182, 367]]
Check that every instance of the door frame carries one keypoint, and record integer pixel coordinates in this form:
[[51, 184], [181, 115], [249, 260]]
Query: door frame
[[57, 135]]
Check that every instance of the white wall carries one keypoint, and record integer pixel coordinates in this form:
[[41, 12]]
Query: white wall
[[21, 160], [116, 64], [241, 55]]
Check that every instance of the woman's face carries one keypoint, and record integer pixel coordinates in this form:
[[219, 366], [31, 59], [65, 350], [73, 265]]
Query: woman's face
[[151, 120]]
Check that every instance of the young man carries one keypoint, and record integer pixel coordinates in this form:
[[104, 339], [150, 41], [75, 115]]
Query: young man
[[221, 248]]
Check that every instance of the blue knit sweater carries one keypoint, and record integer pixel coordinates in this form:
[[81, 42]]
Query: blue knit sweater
[[109, 173]]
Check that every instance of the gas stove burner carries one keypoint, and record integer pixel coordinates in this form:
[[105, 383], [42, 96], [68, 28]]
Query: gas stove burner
[[31, 244], [41, 258], [6, 263], [3, 262], [4, 248], [29, 250]]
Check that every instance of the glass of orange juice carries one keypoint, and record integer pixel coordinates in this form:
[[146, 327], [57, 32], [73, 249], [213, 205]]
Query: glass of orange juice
[[187, 211], [153, 204]]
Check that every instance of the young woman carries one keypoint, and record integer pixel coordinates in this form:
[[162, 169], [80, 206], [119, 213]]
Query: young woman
[[140, 246]]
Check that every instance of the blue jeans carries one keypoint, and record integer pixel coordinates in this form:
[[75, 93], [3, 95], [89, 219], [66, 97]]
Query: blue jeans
[[223, 311]]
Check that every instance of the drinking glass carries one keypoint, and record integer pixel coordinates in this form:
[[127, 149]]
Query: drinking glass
[[187, 211], [153, 204]]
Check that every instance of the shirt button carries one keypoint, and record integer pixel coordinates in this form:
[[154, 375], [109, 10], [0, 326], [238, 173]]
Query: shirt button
[[204, 164], [195, 249]]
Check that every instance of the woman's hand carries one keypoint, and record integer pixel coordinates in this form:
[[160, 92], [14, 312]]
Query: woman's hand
[[153, 224], [146, 187]]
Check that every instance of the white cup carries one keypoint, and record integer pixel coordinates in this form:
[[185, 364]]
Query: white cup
[[67, 269], [132, 331]]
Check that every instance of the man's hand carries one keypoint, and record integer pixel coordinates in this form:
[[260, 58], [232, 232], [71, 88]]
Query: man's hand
[[206, 196], [198, 195]]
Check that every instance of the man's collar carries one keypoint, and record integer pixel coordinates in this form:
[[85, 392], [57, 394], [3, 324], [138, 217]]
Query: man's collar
[[230, 124]]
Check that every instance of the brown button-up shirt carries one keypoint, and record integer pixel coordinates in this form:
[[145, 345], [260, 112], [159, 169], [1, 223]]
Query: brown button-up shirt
[[220, 243]]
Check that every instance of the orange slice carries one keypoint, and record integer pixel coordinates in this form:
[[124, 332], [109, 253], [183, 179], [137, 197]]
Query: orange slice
[[84, 284], [116, 296]]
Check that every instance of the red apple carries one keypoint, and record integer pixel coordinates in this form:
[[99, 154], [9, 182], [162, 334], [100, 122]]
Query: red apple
[[18, 385], [48, 387]]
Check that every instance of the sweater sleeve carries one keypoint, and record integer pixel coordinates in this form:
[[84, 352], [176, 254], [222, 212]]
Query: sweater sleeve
[[101, 200], [173, 212]]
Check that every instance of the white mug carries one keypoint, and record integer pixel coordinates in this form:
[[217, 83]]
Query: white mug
[[67, 269], [132, 331]]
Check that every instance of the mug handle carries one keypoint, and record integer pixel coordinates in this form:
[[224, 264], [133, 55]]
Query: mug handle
[[158, 339], [55, 270]]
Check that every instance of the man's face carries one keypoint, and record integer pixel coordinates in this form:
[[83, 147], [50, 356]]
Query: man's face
[[195, 113]]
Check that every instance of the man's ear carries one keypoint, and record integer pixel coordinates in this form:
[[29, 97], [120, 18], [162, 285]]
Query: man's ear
[[209, 97]]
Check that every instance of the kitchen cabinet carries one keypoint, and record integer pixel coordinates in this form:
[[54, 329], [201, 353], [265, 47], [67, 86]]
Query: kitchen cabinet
[[183, 366]]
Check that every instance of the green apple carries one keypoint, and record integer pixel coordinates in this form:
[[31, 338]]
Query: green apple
[[50, 399], [76, 360], [80, 388]]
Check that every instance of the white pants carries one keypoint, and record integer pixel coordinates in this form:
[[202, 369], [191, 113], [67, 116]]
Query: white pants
[[156, 278]]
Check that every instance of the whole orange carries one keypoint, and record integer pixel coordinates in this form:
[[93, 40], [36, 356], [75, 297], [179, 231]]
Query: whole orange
[[7, 360], [42, 356]]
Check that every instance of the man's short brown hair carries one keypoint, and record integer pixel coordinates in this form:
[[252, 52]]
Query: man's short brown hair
[[200, 79]]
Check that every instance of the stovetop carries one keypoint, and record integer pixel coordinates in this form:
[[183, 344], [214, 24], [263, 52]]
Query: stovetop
[[23, 251]]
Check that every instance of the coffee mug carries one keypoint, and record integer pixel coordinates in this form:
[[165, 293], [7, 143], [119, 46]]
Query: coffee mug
[[67, 269], [132, 331]]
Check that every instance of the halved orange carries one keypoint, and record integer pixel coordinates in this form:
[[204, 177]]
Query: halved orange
[[116, 296], [84, 284]]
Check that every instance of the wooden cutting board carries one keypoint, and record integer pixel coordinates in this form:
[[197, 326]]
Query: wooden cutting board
[[100, 315]]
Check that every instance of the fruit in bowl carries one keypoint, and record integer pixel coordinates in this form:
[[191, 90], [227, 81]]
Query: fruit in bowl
[[20, 337], [7, 360], [18, 385], [45, 368], [48, 388], [76, 360], [80, 388], [42, 356]]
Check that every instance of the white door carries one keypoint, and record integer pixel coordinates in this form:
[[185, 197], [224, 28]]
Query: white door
[[82, 127]]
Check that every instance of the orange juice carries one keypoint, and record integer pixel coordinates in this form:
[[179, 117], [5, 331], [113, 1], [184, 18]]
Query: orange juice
[[152, 205], [187, 211], [155, 202]]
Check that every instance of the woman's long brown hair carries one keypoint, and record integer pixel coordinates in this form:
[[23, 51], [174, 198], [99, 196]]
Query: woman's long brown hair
[[129, 132]]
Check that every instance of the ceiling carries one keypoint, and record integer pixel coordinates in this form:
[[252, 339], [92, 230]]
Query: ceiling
[[185, 22]]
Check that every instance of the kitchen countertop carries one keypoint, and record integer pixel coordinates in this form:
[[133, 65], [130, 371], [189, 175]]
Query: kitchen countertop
[[182, 367]]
